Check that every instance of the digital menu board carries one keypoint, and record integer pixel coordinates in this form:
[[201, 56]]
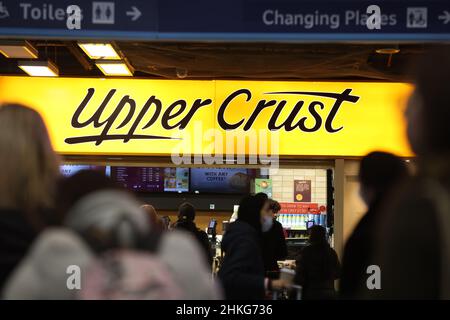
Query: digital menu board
[[139, 178], [68, 170], [176, 179], [152, 179], [221, 180]]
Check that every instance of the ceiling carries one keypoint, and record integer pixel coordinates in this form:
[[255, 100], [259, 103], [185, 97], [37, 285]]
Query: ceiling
[[275, 61]]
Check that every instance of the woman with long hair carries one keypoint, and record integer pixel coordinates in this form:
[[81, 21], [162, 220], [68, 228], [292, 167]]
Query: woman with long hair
[[318, 267], [28, 174]]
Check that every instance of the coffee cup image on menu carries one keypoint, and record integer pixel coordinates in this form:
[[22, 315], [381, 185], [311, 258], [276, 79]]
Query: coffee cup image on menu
[[239, 181]]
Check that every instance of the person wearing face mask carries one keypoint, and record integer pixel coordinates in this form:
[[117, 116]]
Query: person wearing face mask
[[242, 271], [274, 242]]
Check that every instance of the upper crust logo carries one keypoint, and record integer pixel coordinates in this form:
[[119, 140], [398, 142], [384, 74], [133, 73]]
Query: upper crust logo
[[175, 117]]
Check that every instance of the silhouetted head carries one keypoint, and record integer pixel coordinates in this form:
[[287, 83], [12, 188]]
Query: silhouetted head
[[155, 220], [186, 211], [82, 183], [251, 209], [378, 173], [274, 206], [317, 235], [262, 196], [428, 110]]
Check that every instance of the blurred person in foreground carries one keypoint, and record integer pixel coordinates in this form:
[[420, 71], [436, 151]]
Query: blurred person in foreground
[[318, 267], [274, 241], [110, 239], [28, 177], [413, 248], [186, 222], [379, 173], [242, 271]]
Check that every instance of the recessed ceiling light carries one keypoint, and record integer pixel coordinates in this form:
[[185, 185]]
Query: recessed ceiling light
[[99, 51], [387, 50], [114, 68], [20, 49], [39, 68]]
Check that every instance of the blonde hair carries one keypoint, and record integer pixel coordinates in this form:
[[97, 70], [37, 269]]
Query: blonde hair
[[28, 165]]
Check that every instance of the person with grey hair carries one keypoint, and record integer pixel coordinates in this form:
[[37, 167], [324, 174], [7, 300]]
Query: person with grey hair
[[108, 237], [109, 219]]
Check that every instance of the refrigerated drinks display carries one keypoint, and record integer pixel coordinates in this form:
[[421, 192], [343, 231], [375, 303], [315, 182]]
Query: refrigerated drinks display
[[296, 224], [296, 219]]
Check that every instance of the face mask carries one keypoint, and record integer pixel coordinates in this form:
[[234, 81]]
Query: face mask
[[266, 223]]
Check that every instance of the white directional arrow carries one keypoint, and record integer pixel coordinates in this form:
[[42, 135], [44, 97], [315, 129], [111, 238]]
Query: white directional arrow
[[134, 13], [445, 17]]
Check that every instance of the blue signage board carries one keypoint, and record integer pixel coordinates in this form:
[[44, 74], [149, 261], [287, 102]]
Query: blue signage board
[[228, 20]]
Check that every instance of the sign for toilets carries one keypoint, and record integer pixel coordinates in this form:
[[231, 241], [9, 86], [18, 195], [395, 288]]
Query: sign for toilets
[[250, 20]]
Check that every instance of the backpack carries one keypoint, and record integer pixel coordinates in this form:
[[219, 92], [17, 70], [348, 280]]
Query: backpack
[[129, 275]]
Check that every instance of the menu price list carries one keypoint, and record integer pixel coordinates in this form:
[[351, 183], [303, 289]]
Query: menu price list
[[139, 178]]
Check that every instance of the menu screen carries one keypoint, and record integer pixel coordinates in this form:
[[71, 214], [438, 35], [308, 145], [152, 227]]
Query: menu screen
[[176, 179], [152, 179], [139, 178], [222, 180], [68, 170]]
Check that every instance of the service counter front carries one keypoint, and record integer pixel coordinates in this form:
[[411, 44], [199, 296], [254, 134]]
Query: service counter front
[[298, 132]]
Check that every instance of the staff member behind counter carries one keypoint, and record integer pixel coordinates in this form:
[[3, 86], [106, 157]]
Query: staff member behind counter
[[273, 242], [185, 222]]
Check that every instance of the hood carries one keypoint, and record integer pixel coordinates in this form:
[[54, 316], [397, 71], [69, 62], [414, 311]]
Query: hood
[[44, 272], [237, 231]]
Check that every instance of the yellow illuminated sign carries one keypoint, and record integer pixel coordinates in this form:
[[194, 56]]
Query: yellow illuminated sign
[[160, 117]]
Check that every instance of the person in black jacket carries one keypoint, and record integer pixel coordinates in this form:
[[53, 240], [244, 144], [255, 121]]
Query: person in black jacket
[[274, 242], [379, 172], [242, 270], [317, 267], [186, 217]]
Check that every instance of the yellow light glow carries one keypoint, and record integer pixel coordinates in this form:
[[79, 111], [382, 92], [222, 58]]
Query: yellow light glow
[[374, 122], [111, 68], [39, 68], [99, 51]]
